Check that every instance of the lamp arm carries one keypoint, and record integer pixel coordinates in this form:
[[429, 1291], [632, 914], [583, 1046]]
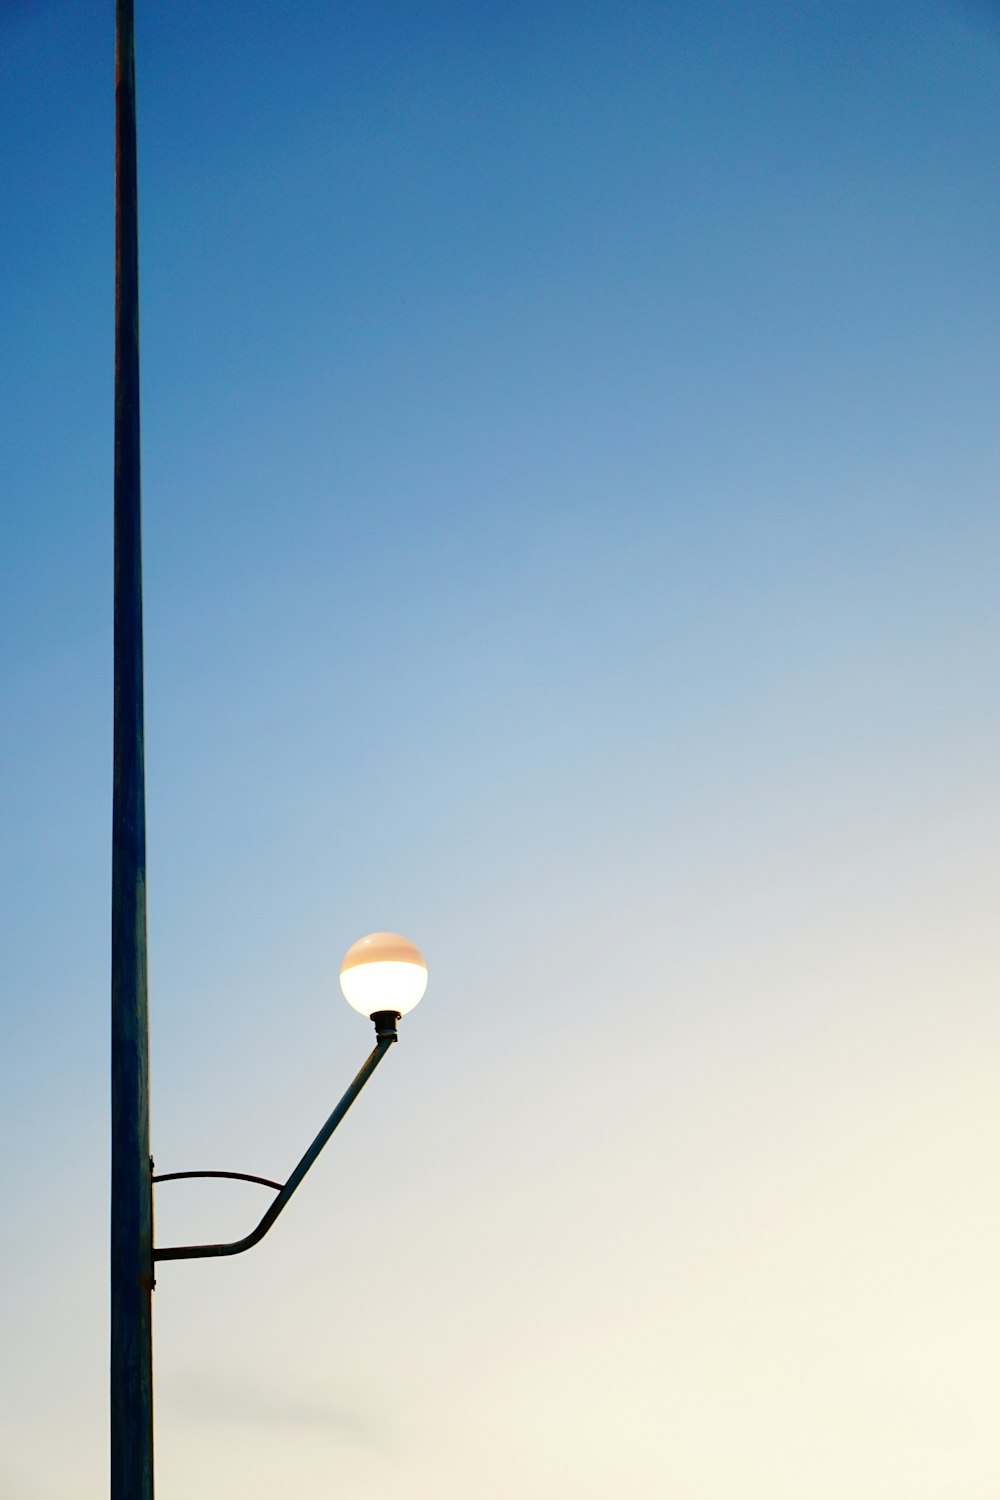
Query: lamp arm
[[237, 1176], [236, 1247]]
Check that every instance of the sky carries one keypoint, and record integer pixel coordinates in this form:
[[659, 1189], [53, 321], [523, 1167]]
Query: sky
[[571, 527]]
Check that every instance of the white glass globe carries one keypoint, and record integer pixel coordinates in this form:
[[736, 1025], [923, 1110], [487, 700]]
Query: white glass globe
[[383, 971]]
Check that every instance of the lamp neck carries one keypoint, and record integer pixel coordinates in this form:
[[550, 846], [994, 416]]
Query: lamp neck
[[385, 1025]]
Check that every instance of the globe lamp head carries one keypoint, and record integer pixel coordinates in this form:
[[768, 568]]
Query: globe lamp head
[[383, 975]]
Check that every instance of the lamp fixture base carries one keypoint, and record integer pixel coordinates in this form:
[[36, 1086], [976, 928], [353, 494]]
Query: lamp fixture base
[[385, 1024]]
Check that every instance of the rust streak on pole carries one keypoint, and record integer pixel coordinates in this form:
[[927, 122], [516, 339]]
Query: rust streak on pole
[[131, 1187]]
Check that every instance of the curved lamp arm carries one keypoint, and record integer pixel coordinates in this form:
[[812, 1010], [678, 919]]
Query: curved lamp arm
[[236, 1176], [236, 1247]]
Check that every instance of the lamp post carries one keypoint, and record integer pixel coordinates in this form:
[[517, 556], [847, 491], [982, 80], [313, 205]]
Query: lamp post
[[383, 975], [131, 1185]]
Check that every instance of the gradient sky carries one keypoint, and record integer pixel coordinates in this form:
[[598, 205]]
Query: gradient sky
[[571, 475]]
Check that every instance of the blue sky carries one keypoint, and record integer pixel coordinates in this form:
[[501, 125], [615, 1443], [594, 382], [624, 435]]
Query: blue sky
[[570, 478]]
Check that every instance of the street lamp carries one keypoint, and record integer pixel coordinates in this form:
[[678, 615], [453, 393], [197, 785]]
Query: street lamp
[[383, 975]]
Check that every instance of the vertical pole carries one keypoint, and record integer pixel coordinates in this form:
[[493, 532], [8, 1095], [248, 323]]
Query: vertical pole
[[131, 1185]]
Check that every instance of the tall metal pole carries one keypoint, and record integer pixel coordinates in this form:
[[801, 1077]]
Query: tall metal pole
[[131, 1185]]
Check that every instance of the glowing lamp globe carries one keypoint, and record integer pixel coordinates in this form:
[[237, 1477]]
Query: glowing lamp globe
[[383, 972]]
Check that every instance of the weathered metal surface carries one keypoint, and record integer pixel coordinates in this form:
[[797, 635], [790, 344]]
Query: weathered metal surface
[[131, 1188], [236, 1247]]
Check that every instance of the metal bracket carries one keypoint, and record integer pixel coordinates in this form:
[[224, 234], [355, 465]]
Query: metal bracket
[[239, 1176], [284, 1190]]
